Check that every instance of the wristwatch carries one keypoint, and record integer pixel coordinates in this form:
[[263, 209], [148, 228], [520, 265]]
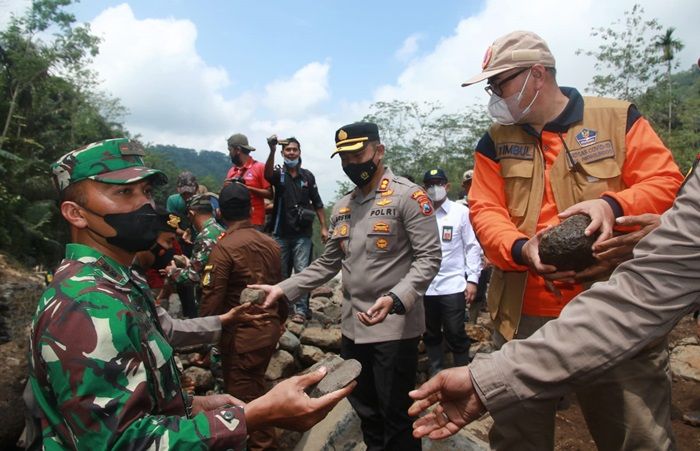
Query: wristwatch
[[397, 307]]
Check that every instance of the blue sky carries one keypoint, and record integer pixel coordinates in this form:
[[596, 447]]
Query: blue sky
[[258, 41], [191, 73]]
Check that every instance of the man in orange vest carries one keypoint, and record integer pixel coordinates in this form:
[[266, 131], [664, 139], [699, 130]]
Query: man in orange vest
[[551, 154]]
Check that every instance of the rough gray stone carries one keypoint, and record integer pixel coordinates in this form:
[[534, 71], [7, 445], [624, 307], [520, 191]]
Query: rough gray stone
[[281, 365], [310, 355], [252, 295], [333, 311], [203, 379], [326, 339], [565, 245], [295, 328], [336, 378], [685, 362], [289, 342]]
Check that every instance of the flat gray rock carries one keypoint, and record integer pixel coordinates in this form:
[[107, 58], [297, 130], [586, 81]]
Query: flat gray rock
[[340, 373], [252, 295]]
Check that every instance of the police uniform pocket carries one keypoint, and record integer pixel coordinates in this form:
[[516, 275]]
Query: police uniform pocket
[[381, 237], [517, 176], [593, 179]]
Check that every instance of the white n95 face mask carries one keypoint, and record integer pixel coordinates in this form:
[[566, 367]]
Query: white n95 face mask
[[507, 111], [437, 193]]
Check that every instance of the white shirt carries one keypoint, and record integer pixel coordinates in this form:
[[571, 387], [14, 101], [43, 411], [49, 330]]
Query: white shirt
[[461, 253]]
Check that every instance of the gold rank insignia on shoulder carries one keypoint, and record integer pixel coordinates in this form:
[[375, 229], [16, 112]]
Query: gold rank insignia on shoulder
[[417, 194], [387, 193], [206, 279], [381, 243], [342, 230], [342, 135], [383, 185], [208, 267], [383, 202], [381, 227], [344, 210]]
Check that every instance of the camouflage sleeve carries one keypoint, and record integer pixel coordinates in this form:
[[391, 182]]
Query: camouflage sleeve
[[98, 387], [193, 272]]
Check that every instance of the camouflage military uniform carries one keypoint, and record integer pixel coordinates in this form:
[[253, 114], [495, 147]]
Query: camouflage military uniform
[[203, 244], [102, 372], [100, 369]]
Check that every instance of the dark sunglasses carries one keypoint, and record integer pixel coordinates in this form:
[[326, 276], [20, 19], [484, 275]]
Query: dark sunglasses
[[495, 86]]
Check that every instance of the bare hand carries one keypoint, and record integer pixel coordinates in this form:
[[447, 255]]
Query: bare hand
[[602, 217], [211, 402], [470, 292], [620, 247], [531, 255], [457, 404], [242, 314], [272, 142], [187, 236], [288, 406], [274, 294], [377, 312], [324, 234]]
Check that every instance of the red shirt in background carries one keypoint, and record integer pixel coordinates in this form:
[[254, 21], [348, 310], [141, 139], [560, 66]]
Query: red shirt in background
[[253, 174]]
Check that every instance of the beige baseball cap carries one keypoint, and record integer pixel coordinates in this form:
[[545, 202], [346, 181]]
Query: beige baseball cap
[[516, 49]]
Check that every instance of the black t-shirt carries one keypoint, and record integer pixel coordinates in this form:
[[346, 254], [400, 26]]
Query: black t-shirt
[[291, 194]]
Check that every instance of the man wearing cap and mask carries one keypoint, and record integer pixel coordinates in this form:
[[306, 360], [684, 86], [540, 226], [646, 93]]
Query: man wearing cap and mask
[[100, 369], [243, 256], [551, 154], [250, 173], [383, 235], [297, 202], [449, 293]]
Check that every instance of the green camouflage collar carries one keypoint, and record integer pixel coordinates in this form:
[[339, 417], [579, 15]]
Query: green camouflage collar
[[110, 268]]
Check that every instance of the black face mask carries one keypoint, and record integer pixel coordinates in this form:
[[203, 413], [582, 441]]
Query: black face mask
[[236, 159], [361, 173], [136, 230]]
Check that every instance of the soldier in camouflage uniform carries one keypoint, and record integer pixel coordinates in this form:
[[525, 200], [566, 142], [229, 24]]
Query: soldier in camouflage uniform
[[200, 212], [101, 371]]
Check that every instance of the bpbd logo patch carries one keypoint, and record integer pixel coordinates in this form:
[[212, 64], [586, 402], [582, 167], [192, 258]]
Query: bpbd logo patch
[[586, 137]]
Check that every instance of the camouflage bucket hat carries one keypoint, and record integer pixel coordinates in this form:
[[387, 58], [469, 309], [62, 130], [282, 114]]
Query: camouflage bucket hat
[[115, 161]]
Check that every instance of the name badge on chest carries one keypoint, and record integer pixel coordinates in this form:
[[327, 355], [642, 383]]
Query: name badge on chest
[[447, 233]]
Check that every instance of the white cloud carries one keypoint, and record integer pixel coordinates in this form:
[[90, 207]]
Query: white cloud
[[438, 74], [172, 95], [305, 89], [408, 48]]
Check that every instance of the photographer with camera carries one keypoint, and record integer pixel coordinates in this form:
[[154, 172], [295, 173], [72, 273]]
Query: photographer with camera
[[249, 172], [296, 202]]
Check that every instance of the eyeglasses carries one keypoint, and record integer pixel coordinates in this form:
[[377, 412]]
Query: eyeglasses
[[496, 86]]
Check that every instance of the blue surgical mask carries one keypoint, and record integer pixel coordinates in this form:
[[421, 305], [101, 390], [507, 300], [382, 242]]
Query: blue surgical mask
[[291, 163]]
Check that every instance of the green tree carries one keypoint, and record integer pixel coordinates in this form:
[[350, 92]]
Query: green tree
[[669, 45], [626, 60], [48, 106], [420, 136]]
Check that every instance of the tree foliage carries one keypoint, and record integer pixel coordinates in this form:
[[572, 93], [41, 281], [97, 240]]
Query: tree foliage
[[48, 106], [627, 61], [420, 136]]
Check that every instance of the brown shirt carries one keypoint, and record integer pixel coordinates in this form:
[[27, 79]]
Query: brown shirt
[[242, 256]]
